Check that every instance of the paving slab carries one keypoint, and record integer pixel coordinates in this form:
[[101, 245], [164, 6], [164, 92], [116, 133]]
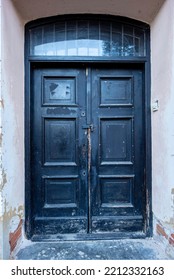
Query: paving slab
[[138, 249]]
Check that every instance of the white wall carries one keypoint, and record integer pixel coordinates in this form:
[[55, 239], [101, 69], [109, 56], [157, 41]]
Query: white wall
[[162, 63], [13, 120]]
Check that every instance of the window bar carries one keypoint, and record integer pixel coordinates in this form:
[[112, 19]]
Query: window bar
[[76, 41], [42, 48], [99, 43], [88, 38], [66, 51], [122, 41], [54, 40], [144, 45], [133, 41], [110, 53], [31, 50]]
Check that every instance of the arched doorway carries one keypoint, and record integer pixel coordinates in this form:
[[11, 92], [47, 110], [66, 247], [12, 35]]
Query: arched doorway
[[87, 128]]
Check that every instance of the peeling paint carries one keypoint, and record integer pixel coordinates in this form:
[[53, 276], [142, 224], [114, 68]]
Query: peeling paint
[[15, 234], [2, 103], [172, 219], [4, 180], [14, 223], [147, 225], [8, 215], [1, 135]]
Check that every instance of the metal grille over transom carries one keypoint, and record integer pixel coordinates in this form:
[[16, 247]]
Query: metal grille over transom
[[87, 38]]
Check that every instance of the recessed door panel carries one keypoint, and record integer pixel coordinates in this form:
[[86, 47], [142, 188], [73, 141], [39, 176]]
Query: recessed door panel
[[59, 90], [116, 90], [116, 140], [60, 193], [116, 192], [60, 141]]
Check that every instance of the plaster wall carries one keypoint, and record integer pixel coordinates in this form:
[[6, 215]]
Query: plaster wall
[[162, 79], [13, 121]]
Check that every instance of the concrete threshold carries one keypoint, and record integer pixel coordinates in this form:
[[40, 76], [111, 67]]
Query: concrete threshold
[[134, 249]]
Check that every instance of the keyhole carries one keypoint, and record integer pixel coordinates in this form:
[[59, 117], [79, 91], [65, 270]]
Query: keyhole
[[83, 114], [84, 173]]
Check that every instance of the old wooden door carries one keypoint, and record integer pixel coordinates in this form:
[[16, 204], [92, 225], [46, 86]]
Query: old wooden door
[[87, 150], [117, 150]]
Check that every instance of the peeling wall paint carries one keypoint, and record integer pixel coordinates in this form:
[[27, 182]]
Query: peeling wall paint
[[13, 216], [9, 223], [2, 103], [1, 139], [3, 180], [13, 212], [165, 236], [172, 199], [15, 236]]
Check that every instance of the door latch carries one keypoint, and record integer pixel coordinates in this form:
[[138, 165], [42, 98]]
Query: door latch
[[88, 126]]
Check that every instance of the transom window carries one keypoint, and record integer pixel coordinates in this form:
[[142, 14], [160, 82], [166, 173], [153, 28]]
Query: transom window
[[87, 38]]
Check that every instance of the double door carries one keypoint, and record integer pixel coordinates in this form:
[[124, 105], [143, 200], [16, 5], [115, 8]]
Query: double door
[[87, 150]]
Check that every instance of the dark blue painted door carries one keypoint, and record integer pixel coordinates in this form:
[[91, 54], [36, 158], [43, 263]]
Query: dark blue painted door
[[87, 150], [117, 187], [59, 151]]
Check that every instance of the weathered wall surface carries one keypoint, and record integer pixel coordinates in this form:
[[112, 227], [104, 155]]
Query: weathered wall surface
[[162, 63], [13, 124]]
